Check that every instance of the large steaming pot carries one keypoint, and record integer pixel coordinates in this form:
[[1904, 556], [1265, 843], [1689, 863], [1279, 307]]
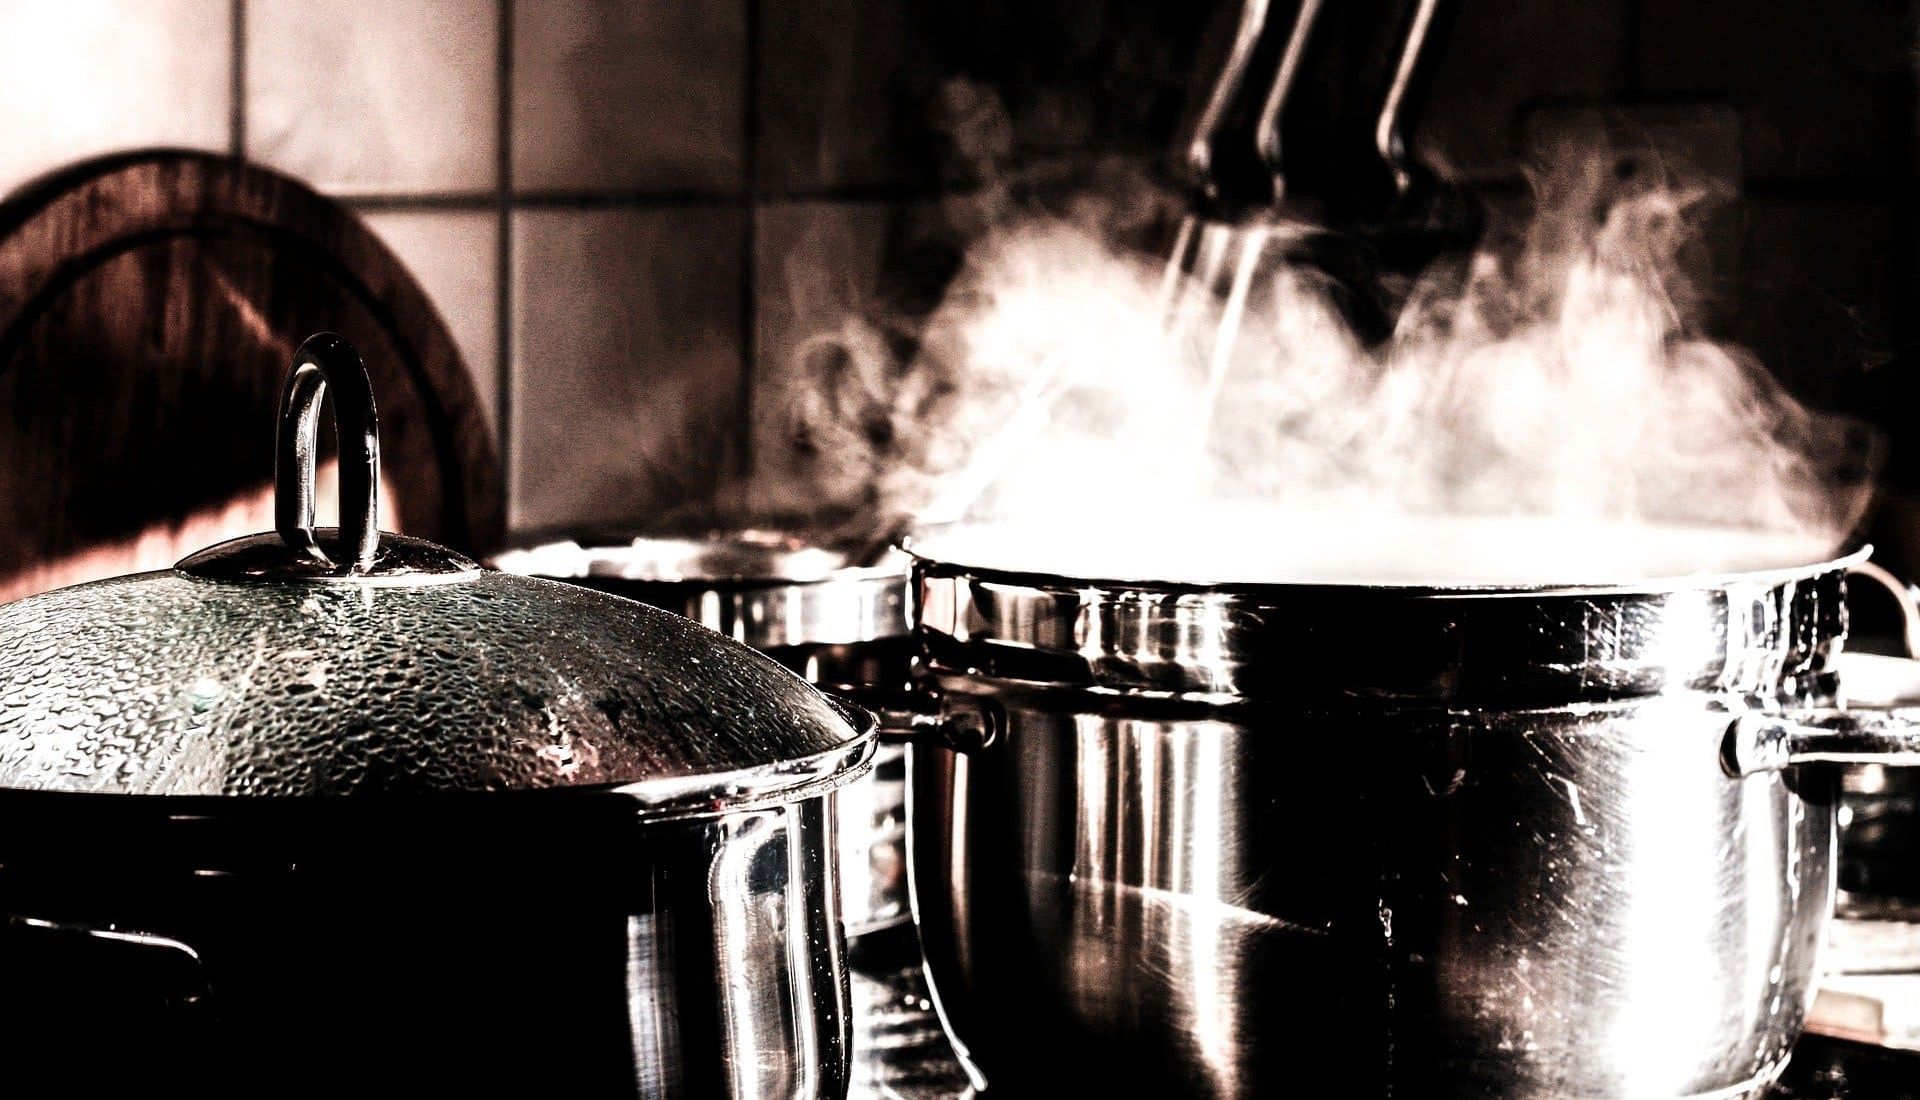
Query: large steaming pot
[[334, 813], [839, 623], [1291, 840]]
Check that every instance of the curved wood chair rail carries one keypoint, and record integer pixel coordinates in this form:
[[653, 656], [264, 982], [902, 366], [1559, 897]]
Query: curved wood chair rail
[[149, 304]]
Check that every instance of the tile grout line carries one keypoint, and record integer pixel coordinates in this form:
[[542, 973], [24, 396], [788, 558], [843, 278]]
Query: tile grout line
[[1900, 327], [503, 252], [237, 80], [749, 237], [608, 199], [1634, 62]]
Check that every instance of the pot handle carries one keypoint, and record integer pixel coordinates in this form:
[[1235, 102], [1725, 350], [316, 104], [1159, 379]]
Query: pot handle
[[930, 718], [1766, 742], [1758, 743], [327, 361], [75, 990], [164, 971]]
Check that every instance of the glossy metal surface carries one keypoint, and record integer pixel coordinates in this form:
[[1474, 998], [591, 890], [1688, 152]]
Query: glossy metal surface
[[839, 625], [1373, 842], [324, 362], [390, 667], [1880, 820], [166, 684], [900, 1052], [766, 589], [1280, 129], [1400, 646], [314, 815], [353, 553], [1768, 742], [546, 946]]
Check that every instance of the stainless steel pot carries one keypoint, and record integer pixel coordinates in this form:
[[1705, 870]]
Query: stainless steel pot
[[320, 812], [842, 625], [1290, 840]]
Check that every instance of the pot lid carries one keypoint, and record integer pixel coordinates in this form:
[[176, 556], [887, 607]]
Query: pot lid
[[348, 662]]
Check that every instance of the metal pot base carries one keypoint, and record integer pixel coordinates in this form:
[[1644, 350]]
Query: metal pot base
[[1470, 907]]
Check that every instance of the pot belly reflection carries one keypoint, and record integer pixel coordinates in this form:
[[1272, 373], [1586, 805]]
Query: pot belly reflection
[[1527, 906], [1129, 901], [1141, 880]]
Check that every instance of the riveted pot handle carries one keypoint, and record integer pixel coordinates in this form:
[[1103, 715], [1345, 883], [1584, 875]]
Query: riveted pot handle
[[1763, 742], [1769, 742], [327, 361], [930, 718]]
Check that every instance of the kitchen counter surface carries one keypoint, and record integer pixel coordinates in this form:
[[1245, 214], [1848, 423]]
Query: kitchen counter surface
[[900, 1053]]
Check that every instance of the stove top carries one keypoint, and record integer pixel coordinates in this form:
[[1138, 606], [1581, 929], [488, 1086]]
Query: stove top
[[901, 1054]]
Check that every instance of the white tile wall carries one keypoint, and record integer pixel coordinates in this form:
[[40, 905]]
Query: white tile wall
[[81, 77], [394, 97], [455, 256], [623, 291], [629, 95], [833, 93], [626, 361], [818, 262]]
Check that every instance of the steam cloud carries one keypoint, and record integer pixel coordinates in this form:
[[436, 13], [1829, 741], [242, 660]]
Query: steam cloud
[[1545, 410]]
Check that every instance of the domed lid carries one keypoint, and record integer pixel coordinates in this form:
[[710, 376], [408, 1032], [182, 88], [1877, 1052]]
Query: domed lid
[[354, 663]]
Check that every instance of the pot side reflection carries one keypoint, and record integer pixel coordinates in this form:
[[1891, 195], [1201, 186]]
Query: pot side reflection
[[455, 946], [1539, 905], [1215, 856]]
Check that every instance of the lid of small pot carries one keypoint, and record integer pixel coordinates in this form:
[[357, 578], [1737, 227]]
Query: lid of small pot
[[349, 662], [764, 587], [719, 557]]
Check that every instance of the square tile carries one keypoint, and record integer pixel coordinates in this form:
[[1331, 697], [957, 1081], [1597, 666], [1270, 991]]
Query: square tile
[[638, 96], [1499, 58], [1681, 143], [626, 372], [835, 284], [1165, 54], [1824, 86], [877, 94], [454, 254], [400, 96], [1683, 147], [1820, 293], [848, 95], [82, 77], [816, 284]]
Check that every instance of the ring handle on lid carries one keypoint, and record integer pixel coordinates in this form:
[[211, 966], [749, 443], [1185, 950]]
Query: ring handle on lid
[[326, 361], [291, 553]]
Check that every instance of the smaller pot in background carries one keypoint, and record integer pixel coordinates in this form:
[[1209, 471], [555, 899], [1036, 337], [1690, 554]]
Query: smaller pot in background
[[840, 622]]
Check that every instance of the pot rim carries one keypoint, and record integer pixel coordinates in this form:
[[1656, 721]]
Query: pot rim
[[925, 561], [779, 782], [783, 781], [749, 600], [583, 557], [1761, 633]]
